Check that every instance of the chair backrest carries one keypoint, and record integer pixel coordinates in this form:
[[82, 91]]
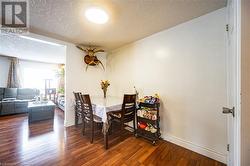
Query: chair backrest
[[87, 110], [128, 108], [78, 103]]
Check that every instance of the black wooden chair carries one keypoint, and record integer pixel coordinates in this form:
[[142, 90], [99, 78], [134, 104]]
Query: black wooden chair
[[78, 107], [127, 113], [88, 116]]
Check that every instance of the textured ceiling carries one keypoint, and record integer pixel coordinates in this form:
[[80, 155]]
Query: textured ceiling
[[12, 45], [130, 20]]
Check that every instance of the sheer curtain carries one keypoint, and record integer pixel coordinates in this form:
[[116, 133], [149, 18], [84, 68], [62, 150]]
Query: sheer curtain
[[13, 76]]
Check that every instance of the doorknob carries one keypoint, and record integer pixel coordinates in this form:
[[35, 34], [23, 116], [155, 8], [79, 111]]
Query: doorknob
[[228, 111]]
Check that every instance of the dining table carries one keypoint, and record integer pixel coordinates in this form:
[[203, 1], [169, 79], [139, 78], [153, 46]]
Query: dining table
[[101, 107]]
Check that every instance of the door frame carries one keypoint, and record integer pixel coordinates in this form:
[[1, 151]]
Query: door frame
[[237, 122], [238, 89]]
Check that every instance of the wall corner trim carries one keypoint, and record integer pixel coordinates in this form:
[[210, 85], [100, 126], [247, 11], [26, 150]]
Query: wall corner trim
[[196, 148]]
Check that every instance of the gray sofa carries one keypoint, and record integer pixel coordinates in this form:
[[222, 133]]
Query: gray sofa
[[15, 100]]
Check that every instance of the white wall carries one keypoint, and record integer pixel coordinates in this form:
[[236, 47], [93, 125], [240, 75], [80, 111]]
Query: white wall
[[78, 79], [186, 66], [4, 70]]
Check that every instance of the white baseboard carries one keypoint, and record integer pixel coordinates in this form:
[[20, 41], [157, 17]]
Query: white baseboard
[[67, 124], [186, 144], [196, 148]]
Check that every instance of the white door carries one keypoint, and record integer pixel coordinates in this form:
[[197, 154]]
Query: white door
[[233, 83]]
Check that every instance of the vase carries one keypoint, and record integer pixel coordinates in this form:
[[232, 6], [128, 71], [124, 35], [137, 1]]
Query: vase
[[105, 93]]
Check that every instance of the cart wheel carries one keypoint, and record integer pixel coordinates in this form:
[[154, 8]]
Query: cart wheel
[[154, 143], [136, 136]]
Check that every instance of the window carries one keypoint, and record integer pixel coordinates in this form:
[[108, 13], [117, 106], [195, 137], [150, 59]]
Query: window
[[35, 78]]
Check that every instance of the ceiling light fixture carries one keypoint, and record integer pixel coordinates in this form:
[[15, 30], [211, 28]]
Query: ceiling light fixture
[[96, 15]]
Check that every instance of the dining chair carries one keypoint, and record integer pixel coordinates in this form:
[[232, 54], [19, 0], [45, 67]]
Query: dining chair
[[88, 116], [127, 113], [78, 107]]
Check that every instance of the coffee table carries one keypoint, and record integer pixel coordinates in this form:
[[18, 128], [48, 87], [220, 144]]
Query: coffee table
[[41, 111]]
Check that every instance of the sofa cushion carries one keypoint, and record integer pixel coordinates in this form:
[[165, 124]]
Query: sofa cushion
[[10, 92], [21, 106], [8, 107], [26, 93], [1, 93]]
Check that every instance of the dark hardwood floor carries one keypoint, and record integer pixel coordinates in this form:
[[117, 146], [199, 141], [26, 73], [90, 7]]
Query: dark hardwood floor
[[47, 143]]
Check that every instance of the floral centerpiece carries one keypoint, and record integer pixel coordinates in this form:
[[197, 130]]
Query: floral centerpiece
[[104, 85]]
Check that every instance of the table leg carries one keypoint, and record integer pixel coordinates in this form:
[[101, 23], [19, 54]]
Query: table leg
[[105, 133], [106, 140]]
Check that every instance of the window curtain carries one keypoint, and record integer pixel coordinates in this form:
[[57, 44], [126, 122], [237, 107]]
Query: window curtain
[[13, 76]]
